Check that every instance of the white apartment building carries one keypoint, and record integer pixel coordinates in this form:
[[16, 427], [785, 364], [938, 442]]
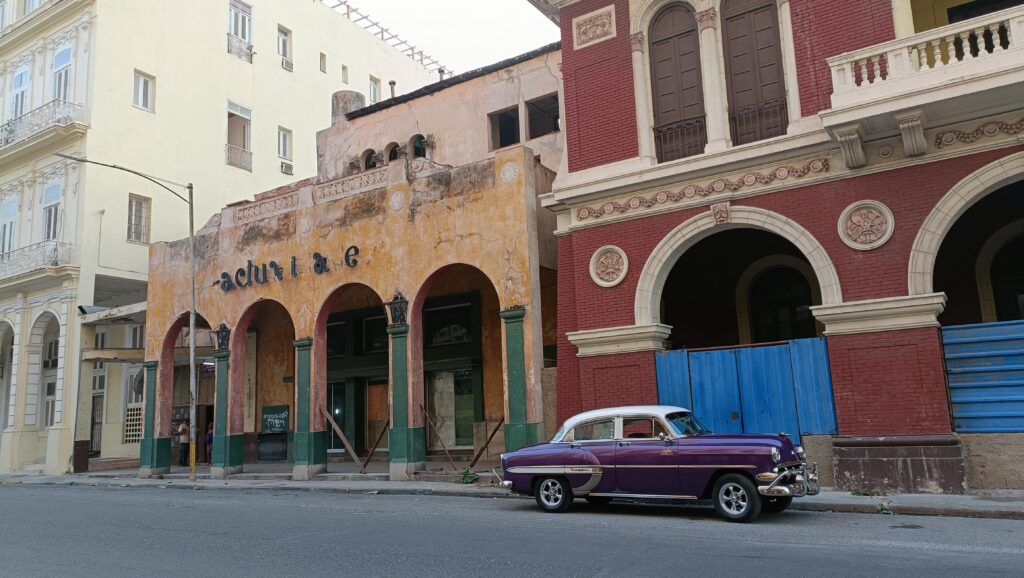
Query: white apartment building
[[224, 94]]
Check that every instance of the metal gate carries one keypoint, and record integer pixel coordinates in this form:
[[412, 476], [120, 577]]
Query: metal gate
[[985, 369], [754, 389]]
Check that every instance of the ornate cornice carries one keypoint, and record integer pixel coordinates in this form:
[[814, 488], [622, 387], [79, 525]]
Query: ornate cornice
[[270, 207], [352, 185], [694, 190]]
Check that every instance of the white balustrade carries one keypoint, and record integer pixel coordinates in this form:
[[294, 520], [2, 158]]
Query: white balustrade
[[51, 114], [39, 256]]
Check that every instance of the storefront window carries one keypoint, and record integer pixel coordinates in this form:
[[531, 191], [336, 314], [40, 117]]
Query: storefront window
[[448, 325], [375, 334]]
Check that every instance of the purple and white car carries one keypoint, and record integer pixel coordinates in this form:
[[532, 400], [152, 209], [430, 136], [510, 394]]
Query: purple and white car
[[659, 452]]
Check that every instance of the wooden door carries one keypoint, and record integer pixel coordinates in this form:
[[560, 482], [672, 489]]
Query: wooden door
[[676, 84], [376, 410], [753, 60]]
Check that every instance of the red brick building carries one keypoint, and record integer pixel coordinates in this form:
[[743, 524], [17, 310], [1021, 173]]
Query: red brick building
[[801, 212]]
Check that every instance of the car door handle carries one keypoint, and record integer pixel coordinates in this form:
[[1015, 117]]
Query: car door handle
[[623, 444]]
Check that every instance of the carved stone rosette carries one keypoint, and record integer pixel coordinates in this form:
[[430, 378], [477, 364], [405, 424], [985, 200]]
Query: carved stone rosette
[[608, 266], [866, 225]]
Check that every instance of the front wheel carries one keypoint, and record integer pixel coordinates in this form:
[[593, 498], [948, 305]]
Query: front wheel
[[553, 495], [776, 505], [736, 498]]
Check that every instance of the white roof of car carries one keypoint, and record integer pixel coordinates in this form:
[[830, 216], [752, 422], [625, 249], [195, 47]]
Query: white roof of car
[[658, 410]]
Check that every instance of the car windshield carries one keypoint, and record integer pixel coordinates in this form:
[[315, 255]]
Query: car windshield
[[685, 424]]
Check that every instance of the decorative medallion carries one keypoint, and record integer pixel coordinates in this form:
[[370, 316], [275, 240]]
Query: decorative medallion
[[720, 211], [397, 201], [509, 172], [866, 225], [886, 152], [608, 266], [593, 27]]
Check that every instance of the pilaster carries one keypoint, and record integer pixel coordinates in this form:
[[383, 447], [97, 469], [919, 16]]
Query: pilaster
[[154, 453], [310, 447], [407, 446], [518, 432], [227, 449]]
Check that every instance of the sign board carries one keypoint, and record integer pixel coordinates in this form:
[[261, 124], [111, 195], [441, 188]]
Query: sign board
[[275, 419]]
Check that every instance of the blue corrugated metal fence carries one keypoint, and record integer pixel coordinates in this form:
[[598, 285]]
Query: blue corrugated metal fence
[[985, 369], [760, 389]]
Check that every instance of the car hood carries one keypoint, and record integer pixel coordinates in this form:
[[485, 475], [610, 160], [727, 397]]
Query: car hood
[[781, 442]]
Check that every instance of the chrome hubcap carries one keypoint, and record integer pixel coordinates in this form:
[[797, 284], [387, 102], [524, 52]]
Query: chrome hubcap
[[551, 493], [733, 499]]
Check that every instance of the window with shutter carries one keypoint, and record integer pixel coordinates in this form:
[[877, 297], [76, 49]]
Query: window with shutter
[[678, 95], [62, 74], [753, 60], [51, 211], [138, 219], [8, 219], [19, 93]]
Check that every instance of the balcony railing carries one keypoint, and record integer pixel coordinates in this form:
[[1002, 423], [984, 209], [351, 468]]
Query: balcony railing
[[972, 47], [39, 256], [51, 114], [239, 47], [759, 121], [680, 139], [238, 157]]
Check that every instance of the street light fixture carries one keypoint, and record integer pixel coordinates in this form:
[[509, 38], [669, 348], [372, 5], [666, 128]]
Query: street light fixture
[[398, 307], [192, 393]]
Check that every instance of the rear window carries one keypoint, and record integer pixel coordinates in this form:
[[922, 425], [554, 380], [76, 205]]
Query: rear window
[[602, 429]]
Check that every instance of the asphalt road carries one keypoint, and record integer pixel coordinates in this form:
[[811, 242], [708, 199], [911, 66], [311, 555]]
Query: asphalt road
[[84, 531]]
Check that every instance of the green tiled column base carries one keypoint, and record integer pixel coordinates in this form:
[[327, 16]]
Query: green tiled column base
[[310, 448], [407, 445], [518, 435], [154, 455], [227, 451]]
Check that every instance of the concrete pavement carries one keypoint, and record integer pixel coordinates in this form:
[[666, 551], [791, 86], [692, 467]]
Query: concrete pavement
[[1006, 504]]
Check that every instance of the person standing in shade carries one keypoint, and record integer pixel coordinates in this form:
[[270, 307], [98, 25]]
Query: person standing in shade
[[183, 444], [209, 443]]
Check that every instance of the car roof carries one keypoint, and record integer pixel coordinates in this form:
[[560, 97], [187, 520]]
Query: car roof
[[658, 410]]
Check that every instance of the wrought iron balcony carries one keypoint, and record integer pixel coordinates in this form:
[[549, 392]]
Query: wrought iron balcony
[[978, 49], [56, 113], [680, 139], [239, 47], [238, 157], [39, 256]]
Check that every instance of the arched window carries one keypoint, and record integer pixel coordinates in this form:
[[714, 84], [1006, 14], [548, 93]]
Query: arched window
[[679, 125], [780, 300], [391, 152], [418, 146], [753, 65], [8, 220], [1008, 281], [369, 159]]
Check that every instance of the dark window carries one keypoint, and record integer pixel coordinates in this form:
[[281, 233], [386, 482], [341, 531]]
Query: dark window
[[678, 95], [336, 339], [504, 128], [542, 115], [392, 152], [370, 159], [448, 325], [419, 146], [753, 63], [979, 8], [780, 306], [375, 334], [1008, 281]]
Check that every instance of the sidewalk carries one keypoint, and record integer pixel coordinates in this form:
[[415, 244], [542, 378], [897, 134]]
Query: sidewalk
[[1006, 504]]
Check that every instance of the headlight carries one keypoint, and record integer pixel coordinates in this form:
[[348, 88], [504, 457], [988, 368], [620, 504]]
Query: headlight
[[776, 456], [799, 451]]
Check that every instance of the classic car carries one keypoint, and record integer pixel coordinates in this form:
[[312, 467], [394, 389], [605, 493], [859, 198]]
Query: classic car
[[660, 452]]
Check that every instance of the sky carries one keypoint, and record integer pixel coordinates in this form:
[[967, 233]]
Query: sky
[[464, 34]]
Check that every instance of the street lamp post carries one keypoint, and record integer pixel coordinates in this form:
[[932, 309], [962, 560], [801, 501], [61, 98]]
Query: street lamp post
[[192, 390]]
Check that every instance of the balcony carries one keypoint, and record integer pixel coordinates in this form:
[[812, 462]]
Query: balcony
[[45, 255], [54, 114], [238, 157], [239, 48], [958, 72]]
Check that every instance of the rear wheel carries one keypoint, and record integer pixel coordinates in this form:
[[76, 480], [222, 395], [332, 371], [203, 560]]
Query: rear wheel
[[598, 500], [736, 499], [776, 505], [553, 495]]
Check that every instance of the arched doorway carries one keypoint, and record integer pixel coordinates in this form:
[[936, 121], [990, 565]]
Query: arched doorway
[[174, 384], [457, 343], [262, 378], [43, 410], [350, 350], [6, 375]]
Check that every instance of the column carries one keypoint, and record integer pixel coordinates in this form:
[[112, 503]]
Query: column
[[788, 45], [310, 448], [518, 432], [227, 448], [154, 453], [902, 18], [641, 88], [407, 445], [715, 107]]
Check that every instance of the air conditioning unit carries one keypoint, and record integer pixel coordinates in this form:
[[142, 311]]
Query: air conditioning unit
[[287, 65], [287, 168]]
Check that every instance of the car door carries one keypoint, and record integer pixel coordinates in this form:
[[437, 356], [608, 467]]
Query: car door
[[645, 464], [590, 459]]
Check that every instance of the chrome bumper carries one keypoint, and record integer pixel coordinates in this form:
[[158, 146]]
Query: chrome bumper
[[792, 482], [507, 484]]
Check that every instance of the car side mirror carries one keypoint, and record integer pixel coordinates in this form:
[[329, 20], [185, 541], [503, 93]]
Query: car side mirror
[[664, 437]]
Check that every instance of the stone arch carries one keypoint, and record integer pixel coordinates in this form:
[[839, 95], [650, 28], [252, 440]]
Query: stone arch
[[664, 257], [983, 266], [644, 13], [391, 153], [945, 213], [8, 359], [164, 390], [36, 404], [756, 268]]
